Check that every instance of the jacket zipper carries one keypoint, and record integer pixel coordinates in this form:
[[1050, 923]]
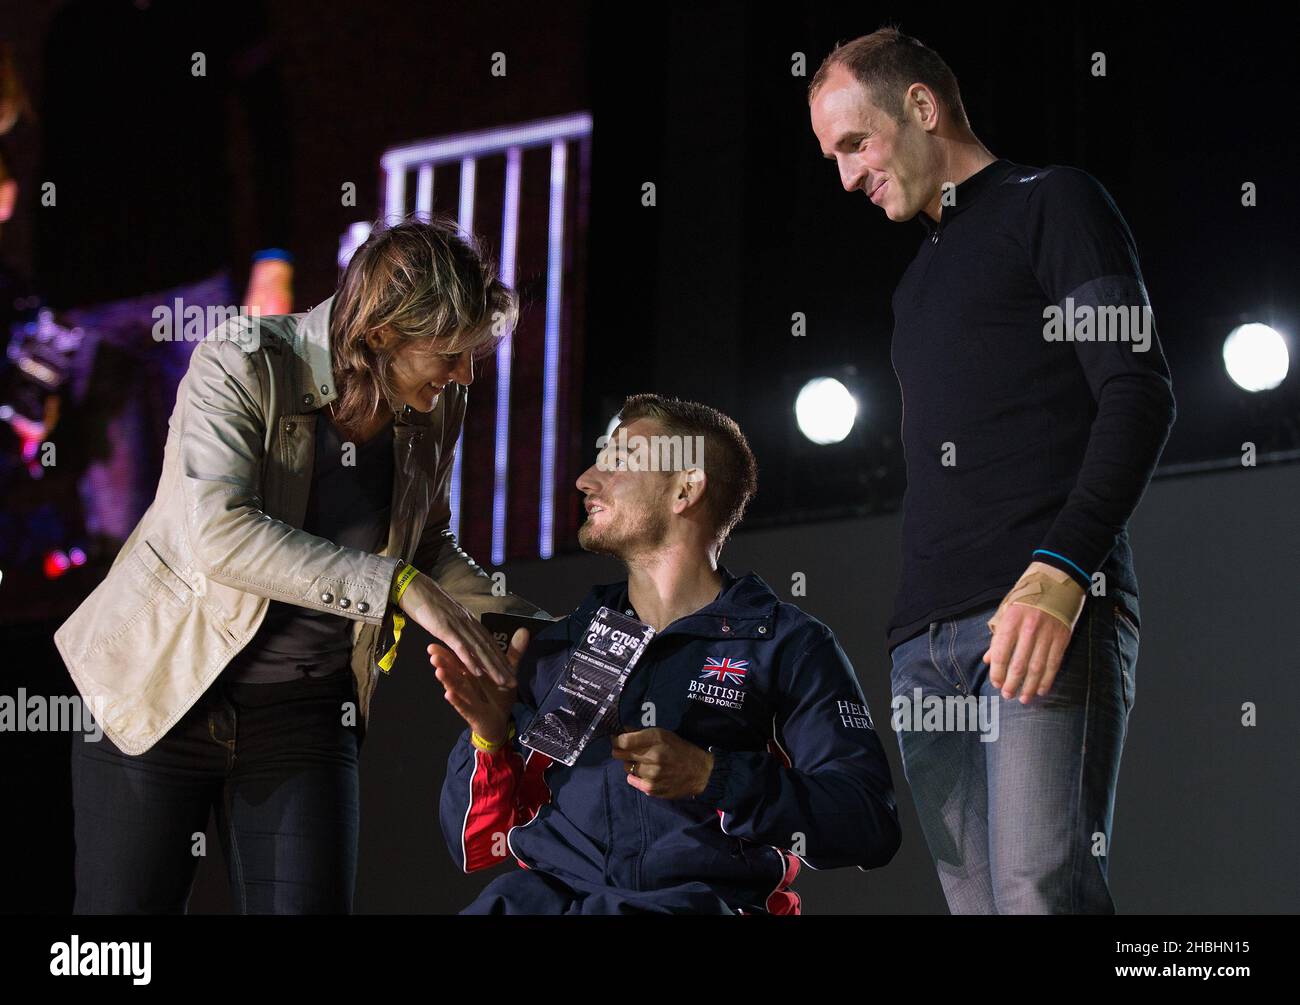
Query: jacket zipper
[[640, 859], [639, 871]]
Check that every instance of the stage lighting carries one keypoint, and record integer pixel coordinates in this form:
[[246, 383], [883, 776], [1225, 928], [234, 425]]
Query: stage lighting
[[56, 564], [825, 410], [1255, 357], [357, 235]]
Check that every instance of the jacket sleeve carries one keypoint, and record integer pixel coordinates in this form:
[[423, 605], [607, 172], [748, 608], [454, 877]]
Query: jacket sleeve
[[438, 554], [480, 802], [827, 794], [484, 795], [223, 445]]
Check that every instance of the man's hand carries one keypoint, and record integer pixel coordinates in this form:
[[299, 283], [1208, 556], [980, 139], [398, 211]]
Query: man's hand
[[1029, 643], [483, 705], [661, 763]]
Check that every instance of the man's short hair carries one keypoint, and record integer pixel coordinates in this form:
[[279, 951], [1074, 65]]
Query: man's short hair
[[887, 63], [729, 464]]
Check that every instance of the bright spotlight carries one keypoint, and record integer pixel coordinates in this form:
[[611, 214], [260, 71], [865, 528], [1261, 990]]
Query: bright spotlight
[[825, 410], [1256, 357]]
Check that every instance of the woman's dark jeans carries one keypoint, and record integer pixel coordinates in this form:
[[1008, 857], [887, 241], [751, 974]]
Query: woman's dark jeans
[[278, 762]]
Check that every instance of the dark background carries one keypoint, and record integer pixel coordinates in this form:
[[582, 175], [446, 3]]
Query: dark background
[[693, 297]]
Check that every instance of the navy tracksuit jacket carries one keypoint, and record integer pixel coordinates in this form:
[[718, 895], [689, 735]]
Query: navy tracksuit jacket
[[799, 773]]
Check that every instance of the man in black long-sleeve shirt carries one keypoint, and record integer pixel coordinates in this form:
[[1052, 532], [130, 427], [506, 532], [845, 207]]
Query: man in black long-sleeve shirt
[[1036, 404]]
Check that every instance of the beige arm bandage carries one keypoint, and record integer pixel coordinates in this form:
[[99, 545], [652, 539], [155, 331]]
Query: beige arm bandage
[[1049, 590]]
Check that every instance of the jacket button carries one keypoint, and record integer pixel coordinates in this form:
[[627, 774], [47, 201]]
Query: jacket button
[[344, 602], [363, 607], [306, 399], [288, 427], [327, 598], [726, 628], [324, 389], [762, 630]]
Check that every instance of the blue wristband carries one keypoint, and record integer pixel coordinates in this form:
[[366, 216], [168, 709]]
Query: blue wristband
[[1044, 551], [273, 255]]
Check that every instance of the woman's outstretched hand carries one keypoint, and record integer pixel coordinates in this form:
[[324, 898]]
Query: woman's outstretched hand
[[446, 620]]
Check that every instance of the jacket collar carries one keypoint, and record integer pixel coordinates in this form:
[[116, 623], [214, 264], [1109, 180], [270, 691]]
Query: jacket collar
[[315, 371], [968, 192], [311, 349], [745, 608]]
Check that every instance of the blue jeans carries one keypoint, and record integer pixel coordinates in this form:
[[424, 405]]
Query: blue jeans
[[1017, 816], [278, 765]]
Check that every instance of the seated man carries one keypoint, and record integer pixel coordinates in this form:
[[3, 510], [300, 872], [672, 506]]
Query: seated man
[[742, 743]]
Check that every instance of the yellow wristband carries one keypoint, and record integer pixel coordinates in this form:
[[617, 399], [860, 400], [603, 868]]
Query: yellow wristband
[[403, 580], [389, 658], [487, 746]]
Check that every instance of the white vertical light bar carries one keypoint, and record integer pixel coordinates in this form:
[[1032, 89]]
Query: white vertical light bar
[[465, 220], [465, 214], [551, 359], [509, 249], [424, 191], [395, 194], [467, 148]]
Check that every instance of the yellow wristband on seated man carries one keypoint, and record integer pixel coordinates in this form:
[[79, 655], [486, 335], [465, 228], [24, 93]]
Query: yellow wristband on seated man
[[487, 746]]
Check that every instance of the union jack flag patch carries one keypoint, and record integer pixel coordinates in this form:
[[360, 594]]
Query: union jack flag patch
[[725, 670]]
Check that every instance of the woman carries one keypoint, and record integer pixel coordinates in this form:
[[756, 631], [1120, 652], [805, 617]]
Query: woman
[[232, 651]]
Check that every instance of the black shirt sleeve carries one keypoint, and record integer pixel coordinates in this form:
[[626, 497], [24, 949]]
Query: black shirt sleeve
[[1081, 250]]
